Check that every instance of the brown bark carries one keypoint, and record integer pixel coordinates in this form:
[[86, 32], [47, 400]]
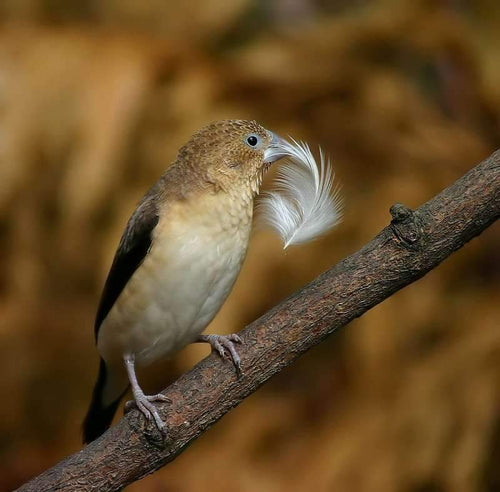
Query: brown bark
[[412, 245]]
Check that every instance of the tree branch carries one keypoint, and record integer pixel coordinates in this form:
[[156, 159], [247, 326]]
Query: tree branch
[[412, 245]]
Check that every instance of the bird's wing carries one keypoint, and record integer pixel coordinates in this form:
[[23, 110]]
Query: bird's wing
[[133, 247]]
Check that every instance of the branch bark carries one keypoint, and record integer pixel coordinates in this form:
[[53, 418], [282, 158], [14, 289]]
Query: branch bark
[[413, 244]]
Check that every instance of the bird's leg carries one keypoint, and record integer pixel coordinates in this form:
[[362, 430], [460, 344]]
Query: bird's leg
[[221, 343], [142, 401]]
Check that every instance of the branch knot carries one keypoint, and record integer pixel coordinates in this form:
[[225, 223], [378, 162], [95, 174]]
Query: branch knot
[[406, 226]]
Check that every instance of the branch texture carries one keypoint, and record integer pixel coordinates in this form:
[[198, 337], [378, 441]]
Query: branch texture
[[413, 244]]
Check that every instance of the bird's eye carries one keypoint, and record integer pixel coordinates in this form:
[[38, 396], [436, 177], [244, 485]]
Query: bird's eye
[[253, 140]]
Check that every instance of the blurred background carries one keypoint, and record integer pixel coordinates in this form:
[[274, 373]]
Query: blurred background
[[95, 99]]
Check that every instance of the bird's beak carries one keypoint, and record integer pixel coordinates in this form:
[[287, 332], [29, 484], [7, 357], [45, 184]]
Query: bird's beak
[[276, 150]]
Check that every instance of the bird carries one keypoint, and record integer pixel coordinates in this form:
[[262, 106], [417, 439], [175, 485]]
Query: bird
[[177, 261]]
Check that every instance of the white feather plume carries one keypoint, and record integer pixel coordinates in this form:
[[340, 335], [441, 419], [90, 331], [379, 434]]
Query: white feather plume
[[304, 204]]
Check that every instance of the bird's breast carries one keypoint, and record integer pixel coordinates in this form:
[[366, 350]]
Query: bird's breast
[[195, 257]]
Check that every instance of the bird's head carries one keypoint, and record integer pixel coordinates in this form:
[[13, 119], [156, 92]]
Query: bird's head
[[232, 155]]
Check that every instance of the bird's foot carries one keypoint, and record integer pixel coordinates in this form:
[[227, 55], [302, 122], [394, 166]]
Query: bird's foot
[[131, 404], [145, 404], [224, 345]]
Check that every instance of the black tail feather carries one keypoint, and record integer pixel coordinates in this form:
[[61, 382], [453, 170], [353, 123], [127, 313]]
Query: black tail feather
[[99, 417]]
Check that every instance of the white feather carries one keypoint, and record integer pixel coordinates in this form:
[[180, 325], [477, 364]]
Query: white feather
[[304, 204]]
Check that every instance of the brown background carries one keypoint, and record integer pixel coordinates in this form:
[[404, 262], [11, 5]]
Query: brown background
[[95, 99]]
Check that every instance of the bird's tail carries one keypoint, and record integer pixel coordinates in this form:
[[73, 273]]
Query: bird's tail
[[106, 397]]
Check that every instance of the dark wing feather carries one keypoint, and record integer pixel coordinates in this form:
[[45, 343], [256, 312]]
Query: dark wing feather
[[134, 246]]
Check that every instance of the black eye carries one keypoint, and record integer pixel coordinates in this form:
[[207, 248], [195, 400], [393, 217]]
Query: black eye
[[252, 140]]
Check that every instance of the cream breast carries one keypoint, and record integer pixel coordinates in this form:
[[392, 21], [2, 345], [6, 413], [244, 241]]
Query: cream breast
[[197, 252]]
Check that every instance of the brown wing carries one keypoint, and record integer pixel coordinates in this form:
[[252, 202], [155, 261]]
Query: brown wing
[[133, 248]]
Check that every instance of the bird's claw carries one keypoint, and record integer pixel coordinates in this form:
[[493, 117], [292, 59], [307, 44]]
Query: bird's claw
[[131, 404], [158, 397], [223, 343], [144, 403]]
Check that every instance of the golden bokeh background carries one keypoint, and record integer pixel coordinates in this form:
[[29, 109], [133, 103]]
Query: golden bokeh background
[[95, 99]]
